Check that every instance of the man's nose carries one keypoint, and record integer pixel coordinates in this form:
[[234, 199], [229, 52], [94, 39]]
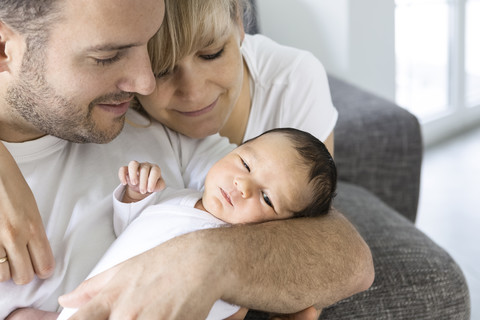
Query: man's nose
[[139, 76], [244, 186]]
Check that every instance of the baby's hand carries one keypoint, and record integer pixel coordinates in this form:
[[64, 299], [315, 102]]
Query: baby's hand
[[141, 179]]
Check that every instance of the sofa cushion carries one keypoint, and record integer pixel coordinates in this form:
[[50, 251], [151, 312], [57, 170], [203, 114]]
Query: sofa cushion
[[412, 273]]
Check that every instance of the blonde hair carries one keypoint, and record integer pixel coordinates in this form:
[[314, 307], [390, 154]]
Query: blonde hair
[[189, 25]]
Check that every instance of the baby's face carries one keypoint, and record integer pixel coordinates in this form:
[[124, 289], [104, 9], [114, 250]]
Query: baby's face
[[258, 181]]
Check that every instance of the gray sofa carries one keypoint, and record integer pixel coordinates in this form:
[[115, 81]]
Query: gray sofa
[[378, 151]]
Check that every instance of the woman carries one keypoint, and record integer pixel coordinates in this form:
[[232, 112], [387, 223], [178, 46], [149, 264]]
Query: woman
[[214, 78], [211, 78]]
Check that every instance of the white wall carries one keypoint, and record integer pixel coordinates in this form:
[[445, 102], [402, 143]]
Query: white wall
[[354, 39]]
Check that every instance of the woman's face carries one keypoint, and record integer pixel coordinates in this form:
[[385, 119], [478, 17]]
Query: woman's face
[[197, 97]]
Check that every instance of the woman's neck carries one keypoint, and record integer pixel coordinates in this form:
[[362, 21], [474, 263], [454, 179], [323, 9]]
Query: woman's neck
[[236, 125]]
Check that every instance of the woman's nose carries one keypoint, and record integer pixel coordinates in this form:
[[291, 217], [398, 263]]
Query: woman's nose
[[190, 84], [244, 186]]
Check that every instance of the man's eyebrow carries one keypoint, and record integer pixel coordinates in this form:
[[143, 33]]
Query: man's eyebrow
[[112, 47]]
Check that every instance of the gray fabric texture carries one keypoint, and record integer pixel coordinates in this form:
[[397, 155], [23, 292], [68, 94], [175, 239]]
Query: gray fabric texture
[[414, 277], [378, 145]]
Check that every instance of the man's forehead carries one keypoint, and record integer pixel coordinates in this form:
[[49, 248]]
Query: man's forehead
[[111, 22]]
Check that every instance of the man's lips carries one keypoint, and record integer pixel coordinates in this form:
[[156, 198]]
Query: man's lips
[[226, 197], [199, 112], [117, 108]]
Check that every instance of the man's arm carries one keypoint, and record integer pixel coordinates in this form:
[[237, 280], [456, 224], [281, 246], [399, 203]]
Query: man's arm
[[280, 266], [290, 265]]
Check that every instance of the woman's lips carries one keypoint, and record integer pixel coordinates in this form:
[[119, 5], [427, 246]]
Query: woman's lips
[[116, 108], [226, 197], [201, 111]]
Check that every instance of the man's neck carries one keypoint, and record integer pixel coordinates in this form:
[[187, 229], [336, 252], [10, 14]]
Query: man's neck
[[17, 133]]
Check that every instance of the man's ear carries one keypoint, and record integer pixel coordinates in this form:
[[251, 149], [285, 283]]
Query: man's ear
[[9, 45]]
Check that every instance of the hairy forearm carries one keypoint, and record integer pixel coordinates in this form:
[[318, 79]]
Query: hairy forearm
[[286, 266], [280, 267]]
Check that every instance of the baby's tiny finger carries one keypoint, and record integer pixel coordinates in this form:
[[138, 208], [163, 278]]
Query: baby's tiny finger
[[153, 179], [122, 175], [133, 168], [144, 174]]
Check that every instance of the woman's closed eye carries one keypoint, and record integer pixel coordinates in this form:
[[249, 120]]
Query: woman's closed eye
[[162, 74], [213, 56]]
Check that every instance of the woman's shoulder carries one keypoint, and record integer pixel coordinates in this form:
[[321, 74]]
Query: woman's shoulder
[[267, 59], [257, 44]]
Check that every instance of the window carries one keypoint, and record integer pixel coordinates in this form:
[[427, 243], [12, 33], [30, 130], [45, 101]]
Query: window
[[437, 61], [472, 53], [421, 48]]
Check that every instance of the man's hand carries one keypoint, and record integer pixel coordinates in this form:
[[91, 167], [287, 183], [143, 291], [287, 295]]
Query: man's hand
[[141, 179], [22, 236], [31, 314], [171, 281]]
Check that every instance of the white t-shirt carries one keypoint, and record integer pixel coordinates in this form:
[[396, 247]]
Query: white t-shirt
[[145, 224], [73, 185], [289, 89]]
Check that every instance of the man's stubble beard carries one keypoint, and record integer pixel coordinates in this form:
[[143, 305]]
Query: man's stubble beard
[[36, 102]]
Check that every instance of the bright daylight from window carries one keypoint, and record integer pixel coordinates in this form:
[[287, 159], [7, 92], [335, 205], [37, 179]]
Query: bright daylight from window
[[427, 69], [472, 62]]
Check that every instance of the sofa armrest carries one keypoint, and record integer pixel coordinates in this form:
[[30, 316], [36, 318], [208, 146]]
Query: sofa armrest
[[378, 145]]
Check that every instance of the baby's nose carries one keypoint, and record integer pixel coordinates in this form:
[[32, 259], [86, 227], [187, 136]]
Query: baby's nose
[[244, 186]]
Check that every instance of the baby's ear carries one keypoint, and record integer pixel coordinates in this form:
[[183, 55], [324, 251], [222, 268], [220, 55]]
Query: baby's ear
[[12, 47]]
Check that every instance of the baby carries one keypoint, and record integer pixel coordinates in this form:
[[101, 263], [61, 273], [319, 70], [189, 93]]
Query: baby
[[283, 173]]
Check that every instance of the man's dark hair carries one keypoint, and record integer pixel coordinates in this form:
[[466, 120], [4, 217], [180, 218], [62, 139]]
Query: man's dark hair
[[31, 18], [321, 167]]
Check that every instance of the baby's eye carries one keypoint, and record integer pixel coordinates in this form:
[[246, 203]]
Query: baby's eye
[[267, 199], [245, 165]]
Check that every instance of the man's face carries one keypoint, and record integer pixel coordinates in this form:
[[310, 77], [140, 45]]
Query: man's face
[[79, 86]]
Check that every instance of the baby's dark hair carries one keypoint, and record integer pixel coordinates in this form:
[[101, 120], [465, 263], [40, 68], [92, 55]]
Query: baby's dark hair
[[322, 170]]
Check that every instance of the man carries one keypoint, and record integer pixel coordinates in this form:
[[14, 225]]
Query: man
[[68, 70]]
